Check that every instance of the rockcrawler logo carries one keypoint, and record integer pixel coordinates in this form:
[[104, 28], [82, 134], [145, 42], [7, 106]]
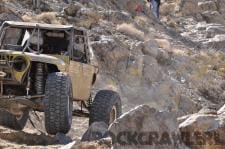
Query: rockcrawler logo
[[143, 138], [164, 138]]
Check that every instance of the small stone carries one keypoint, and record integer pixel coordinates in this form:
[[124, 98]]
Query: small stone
[[62, 138], [96, 131]]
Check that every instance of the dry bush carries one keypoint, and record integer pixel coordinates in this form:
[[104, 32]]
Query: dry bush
[[46, 17], [130, 30], [142, 21]]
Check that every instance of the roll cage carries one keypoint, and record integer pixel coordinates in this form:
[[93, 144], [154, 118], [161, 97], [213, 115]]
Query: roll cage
[[77, 38]]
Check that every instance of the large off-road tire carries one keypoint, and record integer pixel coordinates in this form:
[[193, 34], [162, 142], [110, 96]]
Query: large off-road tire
[[106, 107], [58, 104], [9, 120]]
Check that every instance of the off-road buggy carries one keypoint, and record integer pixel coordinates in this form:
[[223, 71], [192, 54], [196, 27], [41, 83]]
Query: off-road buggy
[[47, 68]]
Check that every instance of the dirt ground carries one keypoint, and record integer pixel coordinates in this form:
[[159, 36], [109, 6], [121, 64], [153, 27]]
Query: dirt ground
[[36, 137]]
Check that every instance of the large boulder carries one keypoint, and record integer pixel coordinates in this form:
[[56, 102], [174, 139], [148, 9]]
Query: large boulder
[[110, 51], [72, 9], [151, 48], [204, 129], [213, 17], [167, 8], [189, 7], [145, 127]]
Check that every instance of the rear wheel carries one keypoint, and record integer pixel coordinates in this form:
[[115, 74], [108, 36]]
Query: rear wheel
[[9, 120], [58, 103], [106, 107]]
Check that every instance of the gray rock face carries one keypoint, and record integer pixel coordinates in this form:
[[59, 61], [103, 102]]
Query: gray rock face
[[213, 30], [207, 6], [216, 43], [145, 127], [211, 11], [128, 5], [213, 16], [209, 35], [221, 6], [221, 110], [117, 16], [151, 70], [151, 48]]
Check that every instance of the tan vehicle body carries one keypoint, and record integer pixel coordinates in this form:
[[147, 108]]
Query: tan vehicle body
[[82, 74], [46, 68], [82, 79]]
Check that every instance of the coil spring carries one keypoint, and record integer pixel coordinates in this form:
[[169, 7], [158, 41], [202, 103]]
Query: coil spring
[[39, 79], [89, 102]]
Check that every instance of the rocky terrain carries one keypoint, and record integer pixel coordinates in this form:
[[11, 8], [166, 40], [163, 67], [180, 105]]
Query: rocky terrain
[[176, 65]]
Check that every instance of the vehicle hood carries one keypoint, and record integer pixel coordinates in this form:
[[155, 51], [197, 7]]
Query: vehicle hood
[[44, 58]]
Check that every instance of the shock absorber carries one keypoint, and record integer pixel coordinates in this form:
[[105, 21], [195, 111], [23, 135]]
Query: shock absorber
[[89, 102], [39, 79]]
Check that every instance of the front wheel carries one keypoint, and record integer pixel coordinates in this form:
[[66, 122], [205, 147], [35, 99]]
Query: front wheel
[[106, 107], [58, 104]]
